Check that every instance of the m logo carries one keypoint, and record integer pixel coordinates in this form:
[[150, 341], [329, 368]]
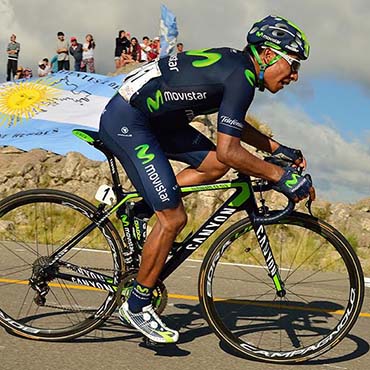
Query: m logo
[[142, 153], [155, 104], [142, 289], [210, 58], [292, 181]]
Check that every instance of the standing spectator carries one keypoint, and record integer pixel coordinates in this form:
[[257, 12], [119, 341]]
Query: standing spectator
[[122, 46], [180, 47], [88, 54], [76, 51], [135, 50], [62, 51], [19, 73], [13, 52], [44, 68], [145, 48]]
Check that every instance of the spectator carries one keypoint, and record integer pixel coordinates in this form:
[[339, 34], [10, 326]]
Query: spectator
[[154, 49], [19, 73], [180, 47], [62, 51], [76, 51], [145, 48], [122, 45], [135, 50], [54, 64], [44, 68], [13, 53], [27, 73], [88, 54]]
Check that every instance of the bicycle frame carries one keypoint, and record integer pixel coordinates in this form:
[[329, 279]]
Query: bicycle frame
[[242, 199]]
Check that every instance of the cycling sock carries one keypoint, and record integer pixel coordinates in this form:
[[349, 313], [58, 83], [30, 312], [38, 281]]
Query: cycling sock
[[140, 297], [143, 210]]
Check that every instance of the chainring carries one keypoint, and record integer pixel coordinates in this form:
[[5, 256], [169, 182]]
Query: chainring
[[160, 294]]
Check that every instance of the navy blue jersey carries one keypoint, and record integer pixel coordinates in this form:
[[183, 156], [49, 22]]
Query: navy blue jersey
[[195, 82]]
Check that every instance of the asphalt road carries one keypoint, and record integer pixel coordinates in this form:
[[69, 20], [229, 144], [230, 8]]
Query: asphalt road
[[117, 347]]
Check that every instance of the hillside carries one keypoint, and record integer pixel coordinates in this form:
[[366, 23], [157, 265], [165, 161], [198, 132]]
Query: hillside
[[38, 168]]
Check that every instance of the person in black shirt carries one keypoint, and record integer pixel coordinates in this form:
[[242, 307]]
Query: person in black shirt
[[122, 46]]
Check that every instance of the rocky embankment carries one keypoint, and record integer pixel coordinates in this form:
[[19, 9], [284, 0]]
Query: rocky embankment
[[20, 170]]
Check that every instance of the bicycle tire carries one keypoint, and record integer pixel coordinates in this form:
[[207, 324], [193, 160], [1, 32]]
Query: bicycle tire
[[33, 224], [323, 299]]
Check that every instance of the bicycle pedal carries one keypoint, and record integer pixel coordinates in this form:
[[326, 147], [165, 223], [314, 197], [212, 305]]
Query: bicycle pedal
[[151, 344]]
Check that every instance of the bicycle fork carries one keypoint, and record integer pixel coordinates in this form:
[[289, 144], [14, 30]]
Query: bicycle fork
[[271, 264]]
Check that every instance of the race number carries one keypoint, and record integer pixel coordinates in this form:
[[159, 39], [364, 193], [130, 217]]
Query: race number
[[105, 195], [136, 79]]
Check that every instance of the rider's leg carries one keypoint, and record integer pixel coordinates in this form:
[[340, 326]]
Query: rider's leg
[[159, 242], [211, 169]]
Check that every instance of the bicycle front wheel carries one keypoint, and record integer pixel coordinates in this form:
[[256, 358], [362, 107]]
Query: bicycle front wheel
[[322, 279], [33, 225]]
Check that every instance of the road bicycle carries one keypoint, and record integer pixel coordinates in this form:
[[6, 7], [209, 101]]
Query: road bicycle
[[275, 285]]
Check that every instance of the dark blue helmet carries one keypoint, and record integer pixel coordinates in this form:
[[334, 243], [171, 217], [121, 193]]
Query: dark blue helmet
[[279, 33]]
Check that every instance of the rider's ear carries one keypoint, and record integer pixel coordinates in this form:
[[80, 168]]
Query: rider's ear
[[267, 55]]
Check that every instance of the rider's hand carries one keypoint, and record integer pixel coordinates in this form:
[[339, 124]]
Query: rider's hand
[[290, 155], [295, 186]]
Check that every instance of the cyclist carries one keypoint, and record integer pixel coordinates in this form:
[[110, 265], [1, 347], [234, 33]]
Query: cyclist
[[147, 123]]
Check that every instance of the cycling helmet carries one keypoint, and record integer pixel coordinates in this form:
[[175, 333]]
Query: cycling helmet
[[277, 33]]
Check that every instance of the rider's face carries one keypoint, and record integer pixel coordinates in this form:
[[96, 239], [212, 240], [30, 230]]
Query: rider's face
[[279, 74]]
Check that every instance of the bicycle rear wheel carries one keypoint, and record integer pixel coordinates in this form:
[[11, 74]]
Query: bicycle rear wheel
[[33, 224], [323, 281]]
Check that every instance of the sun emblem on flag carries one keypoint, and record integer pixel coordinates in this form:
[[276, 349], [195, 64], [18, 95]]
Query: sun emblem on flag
[[23, 100]]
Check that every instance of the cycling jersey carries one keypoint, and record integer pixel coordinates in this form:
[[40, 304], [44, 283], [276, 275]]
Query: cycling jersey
[[147, 122], [196, 82]]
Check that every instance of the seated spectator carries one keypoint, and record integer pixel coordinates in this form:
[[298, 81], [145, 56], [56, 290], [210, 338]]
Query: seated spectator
[[180, 47], [27, 73], [122, 45], [154, 49], [54, 64], [135, 50], [19, 73], [44, 68], [145, 48]]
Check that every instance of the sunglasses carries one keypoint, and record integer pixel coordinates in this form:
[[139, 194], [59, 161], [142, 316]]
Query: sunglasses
[[295, 64]]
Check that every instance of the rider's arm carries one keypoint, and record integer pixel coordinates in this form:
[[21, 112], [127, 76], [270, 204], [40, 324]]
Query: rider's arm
[[237, 97], [231, 153], [256, 138]]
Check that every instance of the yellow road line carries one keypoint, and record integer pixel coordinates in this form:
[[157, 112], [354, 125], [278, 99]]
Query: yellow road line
[[195, 298]]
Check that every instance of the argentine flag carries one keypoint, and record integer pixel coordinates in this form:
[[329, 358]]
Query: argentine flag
[[168, 31], [42, 112]]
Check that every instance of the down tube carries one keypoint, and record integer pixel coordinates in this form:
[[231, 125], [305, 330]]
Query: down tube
[[234, 204]]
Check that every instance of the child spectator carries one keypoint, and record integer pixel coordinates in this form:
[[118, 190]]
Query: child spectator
[[88, 54]]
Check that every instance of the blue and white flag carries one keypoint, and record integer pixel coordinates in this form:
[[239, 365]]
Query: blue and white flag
[[42, 112], [168, 31]]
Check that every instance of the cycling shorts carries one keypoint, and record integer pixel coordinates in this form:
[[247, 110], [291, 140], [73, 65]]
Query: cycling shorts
[[144, 146]]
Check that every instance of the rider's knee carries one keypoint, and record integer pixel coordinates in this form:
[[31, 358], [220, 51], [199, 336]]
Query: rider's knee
[[173, 220]]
